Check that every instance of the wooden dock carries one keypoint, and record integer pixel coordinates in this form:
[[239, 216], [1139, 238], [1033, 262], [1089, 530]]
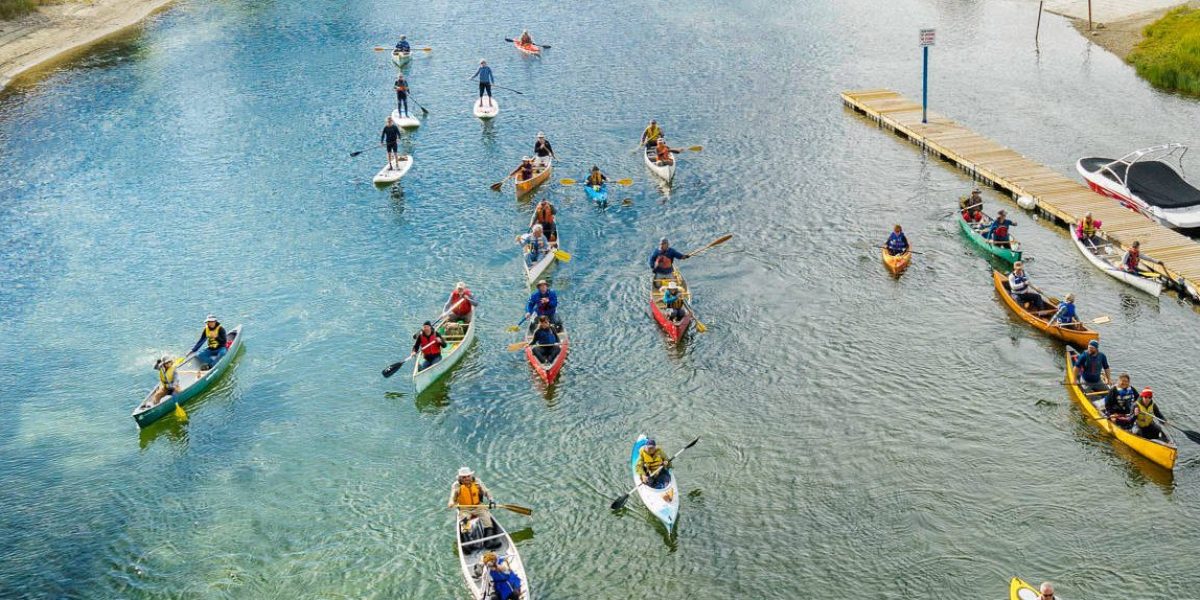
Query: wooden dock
[[1061, 197]]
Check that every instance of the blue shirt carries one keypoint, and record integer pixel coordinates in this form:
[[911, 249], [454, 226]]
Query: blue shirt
[[670, 253], [403, 46], [1089, 367], [897, 243], [535, 303], [484, 74], [996, 224], [544, 336]]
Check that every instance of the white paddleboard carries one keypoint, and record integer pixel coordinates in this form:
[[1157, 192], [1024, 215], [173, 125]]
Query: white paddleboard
[[486, 111], [389, 175], [409, 122]]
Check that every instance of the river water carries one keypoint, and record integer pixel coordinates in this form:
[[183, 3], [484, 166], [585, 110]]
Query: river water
[[860, 436]]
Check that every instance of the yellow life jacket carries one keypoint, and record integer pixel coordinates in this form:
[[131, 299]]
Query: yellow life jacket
[[469, 494], [651, 462], [167, 376], [212, 335], [1145, 415], [1089, 227], [652, 133]]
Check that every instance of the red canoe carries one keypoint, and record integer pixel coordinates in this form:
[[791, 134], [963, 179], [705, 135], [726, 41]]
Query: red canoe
[[674, 329], [548, 371]]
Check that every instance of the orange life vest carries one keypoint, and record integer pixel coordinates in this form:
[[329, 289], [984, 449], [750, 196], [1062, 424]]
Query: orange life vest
[[544, 212]]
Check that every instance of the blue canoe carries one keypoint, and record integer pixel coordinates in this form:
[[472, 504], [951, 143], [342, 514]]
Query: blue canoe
[[191, 383], [599, 195]]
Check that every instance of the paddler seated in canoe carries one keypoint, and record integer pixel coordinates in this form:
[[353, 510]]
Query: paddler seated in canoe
[[545, 340], [470, 496], [403, 45], [662, 261], [673, 299], [972, 207], [1091, 369], [1131, 261], [1065, 315], [524, 171], [1088, 231], [543, 214], [1118, 404], [1146, 416], [429, 343], [506, 585], [897, 242], [652, 465], [596, 179], [401, 87], [526, 39], [486, 78], [390, 138], [998, 230], [543, 303], [212, 337], [543, 151], [664, 154], [651, 134], [168, 382], [1018, 284], [459, 303], [536, 245]]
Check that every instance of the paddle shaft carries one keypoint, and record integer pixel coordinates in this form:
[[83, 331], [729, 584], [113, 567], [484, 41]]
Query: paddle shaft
[[619, 502], [517, 508], [717, 242], [391, 370]]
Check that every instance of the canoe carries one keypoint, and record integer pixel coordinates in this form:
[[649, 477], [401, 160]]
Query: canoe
[[388, 175], [470, 555], [896, 263], [548, 371], [531, 49], [190, 382], [401, 58], [659, 309], [488, 111], [406, 122], [534, 273], [663, 172], [663, 501], [1107, 256], [540, 174], [1077, 334], [1159, 452], [597, 194], [1019, 590], [1011, 255], [457, 343]]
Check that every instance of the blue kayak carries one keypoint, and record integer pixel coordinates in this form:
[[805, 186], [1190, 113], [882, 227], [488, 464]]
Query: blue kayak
[[597, 194]]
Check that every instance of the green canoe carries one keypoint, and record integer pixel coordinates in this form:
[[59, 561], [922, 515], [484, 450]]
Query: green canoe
[[1008, 254]]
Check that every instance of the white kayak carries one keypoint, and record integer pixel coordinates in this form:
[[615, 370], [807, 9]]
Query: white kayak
[[1106, 256], [406, 122], [663, 172], [472, 544], [389, 175], [486, 110], [662, 501], [401, 58]]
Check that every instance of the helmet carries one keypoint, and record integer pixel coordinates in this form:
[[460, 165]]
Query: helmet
[[465, 472]]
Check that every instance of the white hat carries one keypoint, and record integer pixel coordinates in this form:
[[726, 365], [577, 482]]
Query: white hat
[[525, 159], [541, 135], [672, 286], [537, 227], [210, 318], [460, 285], [542, 282], [482, 62], [465, 472]]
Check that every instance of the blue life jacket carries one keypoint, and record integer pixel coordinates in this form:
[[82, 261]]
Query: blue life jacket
[[897, 242], [505, 584]]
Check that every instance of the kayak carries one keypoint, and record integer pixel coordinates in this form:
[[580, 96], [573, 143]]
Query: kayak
[[540, 174], [662, 501], [531, 49], [472, 545], [191, 381], [1010, 255], [486, 111], [534, 272], [458, 339], [1161, 451], [896, 263], [388, 175], [597, 194], [401, 58], [548, 371], [1077, 334], [663, 172], [406, 122], [1019, 590], [1106, 256], [674, 329]]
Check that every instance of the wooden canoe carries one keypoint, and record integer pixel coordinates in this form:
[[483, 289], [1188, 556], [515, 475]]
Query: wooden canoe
[[191, 382], [471, 551], [548, 372], [1010, 255], [1076, 334], [675, 330], [540, 174], [458, 338], [1160, 452], [896, 263]]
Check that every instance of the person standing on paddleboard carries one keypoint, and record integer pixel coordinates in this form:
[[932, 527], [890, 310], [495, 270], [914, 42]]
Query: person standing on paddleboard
[[390, 138], [401, 86], [485, 77], [543, 151]]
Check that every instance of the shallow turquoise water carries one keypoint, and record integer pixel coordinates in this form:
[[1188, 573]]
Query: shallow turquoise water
[[860, 436]]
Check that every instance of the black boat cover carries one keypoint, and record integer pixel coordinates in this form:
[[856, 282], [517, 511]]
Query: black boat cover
[[1153, 181]]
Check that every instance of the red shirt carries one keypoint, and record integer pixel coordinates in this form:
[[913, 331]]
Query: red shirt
[[463, 309]]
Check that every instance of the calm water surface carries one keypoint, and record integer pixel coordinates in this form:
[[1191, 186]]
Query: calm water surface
[[861, 436]]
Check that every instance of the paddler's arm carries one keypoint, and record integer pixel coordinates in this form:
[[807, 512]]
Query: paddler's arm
[[199, 342]]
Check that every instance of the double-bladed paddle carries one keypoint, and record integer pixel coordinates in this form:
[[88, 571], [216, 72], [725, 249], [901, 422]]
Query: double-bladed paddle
[[625, 182], [542, 46], [393, 48], [619, 503]]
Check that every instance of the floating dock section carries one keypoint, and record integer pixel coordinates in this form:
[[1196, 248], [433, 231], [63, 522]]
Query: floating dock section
[[1056, 195]]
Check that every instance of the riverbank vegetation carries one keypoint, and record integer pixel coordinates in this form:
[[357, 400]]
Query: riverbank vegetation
[[1169, 55], [11, 9]]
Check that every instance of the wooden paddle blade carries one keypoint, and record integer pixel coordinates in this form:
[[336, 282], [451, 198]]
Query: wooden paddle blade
[[426, 49], [562, 255], [624, 182], [567, 181], [496, 186], [695, 148], [517, 346], [1102, 320], [520, 510], [380, 48], [627, 202], [619, 503]]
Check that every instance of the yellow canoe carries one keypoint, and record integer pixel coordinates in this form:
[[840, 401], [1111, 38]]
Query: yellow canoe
[[1159, 452], [1019, 590], [1076, 334], [540, 175]]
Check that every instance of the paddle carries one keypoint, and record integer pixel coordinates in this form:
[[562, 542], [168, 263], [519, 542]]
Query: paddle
[[625, 182], [717, 242], [544, 47], [424, 113], [1101, 320], [520, 510], [499, 184], [701, 327], [619, 503], [382, 48], [509, 89], [1191, 435], [516, 327], [523, 345], [562, 255], [181, 414], [392, 368], [357, 152]]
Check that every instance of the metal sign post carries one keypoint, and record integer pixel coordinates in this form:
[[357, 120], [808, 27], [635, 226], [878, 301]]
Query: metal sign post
[[927, 37]]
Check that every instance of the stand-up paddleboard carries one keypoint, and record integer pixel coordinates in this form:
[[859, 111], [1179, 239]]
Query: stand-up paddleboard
[[389, 175], [405, 122], [488, 110]]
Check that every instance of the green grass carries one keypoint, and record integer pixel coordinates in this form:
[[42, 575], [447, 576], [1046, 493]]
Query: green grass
[[11, 9], [1169, 56]]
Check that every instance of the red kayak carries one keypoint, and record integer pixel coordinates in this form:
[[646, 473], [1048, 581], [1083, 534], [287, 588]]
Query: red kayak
[[674, 329], [527, 48], [548, 371]]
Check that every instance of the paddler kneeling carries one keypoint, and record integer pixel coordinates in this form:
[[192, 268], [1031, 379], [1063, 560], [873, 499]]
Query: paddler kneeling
[[998, 231], [1088, 231], [1065, 315], [1132, 259], [674, 301], [972, 207], [1091, 369], [429, 343], [524, 171], [167, 381], [897, 242], [651, 134], [460, 303], [1146, 416], [212, 337], [652, 465], [1118, 404], [662, 261], [470, 496]]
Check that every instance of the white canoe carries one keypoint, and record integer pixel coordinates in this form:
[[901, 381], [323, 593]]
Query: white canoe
[[458, 338], [401, 58], [534, 272], [389, 175], [663, 172], [1107, 256], [470, 557], [664, 501], [486, 111], [406, 122]]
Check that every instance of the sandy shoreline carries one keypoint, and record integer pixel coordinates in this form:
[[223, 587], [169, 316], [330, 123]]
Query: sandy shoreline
[[58, 31], [1120, 36]]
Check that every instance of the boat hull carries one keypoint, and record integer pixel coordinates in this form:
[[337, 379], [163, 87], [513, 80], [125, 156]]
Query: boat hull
[[674, 330], [529, 49], [1106, 186], [146, 414], [470, 560], [401, 58], [663, 502], [484, 112], [540, 175], [1078, 336], [1019, 590], [405, 122], [599, 196], [456, 347], [1106, 258], [896, 264], [548, 373], [1009, 255]]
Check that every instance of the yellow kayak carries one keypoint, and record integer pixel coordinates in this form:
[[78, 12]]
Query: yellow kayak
[[1019, 590]]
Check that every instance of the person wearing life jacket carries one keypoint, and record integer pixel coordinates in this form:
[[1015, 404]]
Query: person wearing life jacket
[[1118, 403], [662, 260], [403, 45], [536, 245], [673, 299], [543, 302], [401, 87], [897, 242], [972, 204], [1088, 231], [545, 343], [473, 499], [652, 465], [664, 154], [1065, 315], [167, 381], [1145, 413], [212, 337], [651, 134], [506, 585], [998, 230], [429, 343], [543, 214], [1132, 259], [1091, 369], [596, 179], [486, 79], [526, 39], [543, 152], [1018, 284], [460, 303], [524, 171]]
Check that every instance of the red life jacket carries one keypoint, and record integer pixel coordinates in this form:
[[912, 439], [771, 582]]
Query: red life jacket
[[663, 263], [1001, 233], [463, 309], [428, 344]]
